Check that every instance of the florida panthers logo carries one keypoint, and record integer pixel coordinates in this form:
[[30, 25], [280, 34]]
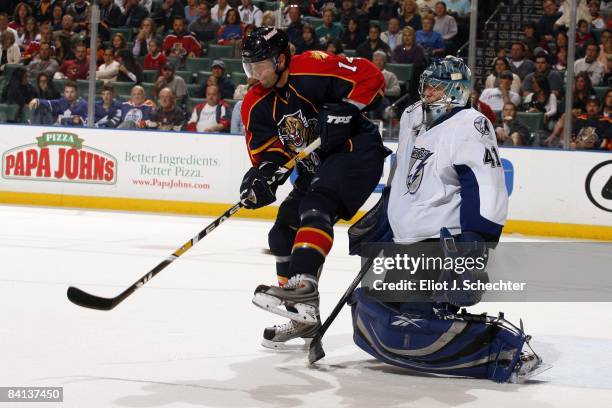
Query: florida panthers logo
[[418, 160], [296, 132]]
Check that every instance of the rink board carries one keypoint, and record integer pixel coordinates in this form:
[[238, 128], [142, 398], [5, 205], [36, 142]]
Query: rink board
[[552, 192]]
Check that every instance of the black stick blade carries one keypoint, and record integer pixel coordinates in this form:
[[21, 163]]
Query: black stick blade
[[81, 298], [315, 352]]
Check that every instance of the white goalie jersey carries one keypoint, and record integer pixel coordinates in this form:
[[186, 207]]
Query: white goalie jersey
[[448, 176]]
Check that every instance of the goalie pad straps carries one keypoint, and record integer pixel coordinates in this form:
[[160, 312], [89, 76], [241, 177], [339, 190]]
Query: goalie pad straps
[[466, 345]]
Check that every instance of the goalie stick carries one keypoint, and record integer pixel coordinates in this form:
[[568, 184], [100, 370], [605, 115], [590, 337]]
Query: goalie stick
[[82, 298]]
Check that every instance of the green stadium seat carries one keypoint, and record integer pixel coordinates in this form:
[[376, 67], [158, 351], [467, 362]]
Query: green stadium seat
[[601, 91], [192, 90], [198, 64], [350, 53], [403, 71], [188, 76], [8, 112], [383, 24], [220, 51], [174, 60], [239, 78], [233, 65], [123, 88], [203, 76], [8, 70], [192, 102], [59, 84], [533, 120], [149, 88], [83, 87], [314, 21], [271, 5], [150, 75], [126, 32]]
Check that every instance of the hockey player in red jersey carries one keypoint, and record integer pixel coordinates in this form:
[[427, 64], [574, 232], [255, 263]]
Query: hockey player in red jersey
[[299, 98]]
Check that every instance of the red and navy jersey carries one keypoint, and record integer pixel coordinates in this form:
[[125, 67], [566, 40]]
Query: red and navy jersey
[[281, 122]]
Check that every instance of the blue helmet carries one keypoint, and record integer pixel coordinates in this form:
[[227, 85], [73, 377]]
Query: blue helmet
[[451, 75]]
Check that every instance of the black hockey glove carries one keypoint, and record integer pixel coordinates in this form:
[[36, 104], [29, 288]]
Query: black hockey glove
[[336, 124], [469, 253], [258, 187]]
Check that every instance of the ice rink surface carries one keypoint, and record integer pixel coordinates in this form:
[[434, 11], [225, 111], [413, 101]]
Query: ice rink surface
[[190, 337]]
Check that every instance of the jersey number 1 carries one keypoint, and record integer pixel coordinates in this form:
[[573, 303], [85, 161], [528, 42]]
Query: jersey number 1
[[349, 67], [492, 157]]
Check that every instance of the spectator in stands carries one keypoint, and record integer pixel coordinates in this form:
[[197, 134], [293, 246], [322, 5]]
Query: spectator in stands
[[372, 44], [546, 24], [67, 29], [118, 43], [109, 70], [79, 11], [560, 60], [543, 68], [334, 46], [136, 111], [31, 52], [210, 116], [45, 88], [530, 40], [591, 130], [352, 36], [9, 50], [410, 15], [22, 12], [43, 62], [108, 109], [371, 8], [607, 80], [43, 11], [583, 36], [29, 34], [308, 41], [232, 30], [57, 15], [329, 29], [4, 26], [130, 69], [582, 13], [349, 11], [607, 109], [268, 19], [432, 42], [393, 35], [18, 91], [205, 28], [155, 59], [583, 90], [597, 20], [63, 49], [224, 81], [168, 79], [392, 85], [512, 132], [541, 99], [295, 27], [481, 106], [497, 97], [110, 17], [142, 40], [426, 6], [520, 65], [591, 65], [446, 26], [181, 43], [191, 11], [389, 9], [80, 63], [409, 52], [69, 110], [501, 65], [166, 12], [134, 14], [167, 116], [605, 48], [219, 11], [250, 13]]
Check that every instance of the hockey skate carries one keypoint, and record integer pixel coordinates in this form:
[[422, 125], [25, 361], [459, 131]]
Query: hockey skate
[[278, 337], [297, 300], [528, 365]]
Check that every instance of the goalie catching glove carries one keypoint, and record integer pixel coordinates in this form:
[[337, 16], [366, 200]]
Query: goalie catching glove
[[259, 184], [336, 124]]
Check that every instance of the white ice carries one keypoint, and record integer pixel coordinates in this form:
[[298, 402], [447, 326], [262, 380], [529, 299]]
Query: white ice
[[190, 337]]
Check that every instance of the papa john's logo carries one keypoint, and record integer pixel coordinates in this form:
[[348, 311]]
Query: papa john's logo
[[59, 156]]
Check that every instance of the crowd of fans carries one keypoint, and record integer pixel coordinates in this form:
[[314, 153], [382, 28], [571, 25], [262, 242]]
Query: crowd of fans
[[146, 46]]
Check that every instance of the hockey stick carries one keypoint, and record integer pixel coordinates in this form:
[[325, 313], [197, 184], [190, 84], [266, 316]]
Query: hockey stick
[[316, 352], [81, 298]]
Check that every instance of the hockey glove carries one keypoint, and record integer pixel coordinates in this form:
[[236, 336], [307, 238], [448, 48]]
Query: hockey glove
[[469, 255], [336, 124], [259, 185]]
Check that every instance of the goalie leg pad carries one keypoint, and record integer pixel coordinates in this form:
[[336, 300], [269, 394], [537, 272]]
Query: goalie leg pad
[[462, 345]]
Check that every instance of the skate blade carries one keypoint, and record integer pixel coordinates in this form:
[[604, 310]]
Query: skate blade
[[280, 346], [305, 313], [517, 379]]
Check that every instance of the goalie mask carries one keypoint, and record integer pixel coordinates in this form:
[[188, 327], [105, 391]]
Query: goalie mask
[[445, 84]]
